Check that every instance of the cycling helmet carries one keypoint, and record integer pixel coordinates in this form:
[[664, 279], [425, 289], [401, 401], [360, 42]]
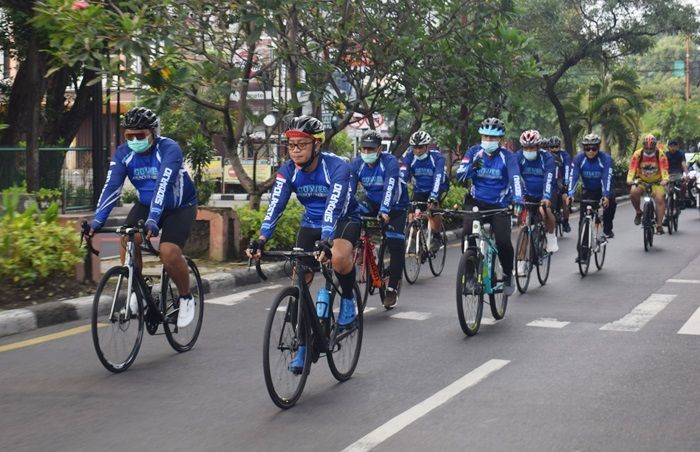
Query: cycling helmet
[[420, 138], [140, 118], [649, 142], [371, 139], [492, 127], [545, 143], [306, 126], [673, 141], [555, 141], [590, 139], [530, 138]]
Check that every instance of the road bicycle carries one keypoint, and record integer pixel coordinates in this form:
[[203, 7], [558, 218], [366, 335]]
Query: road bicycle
[[673, 202], [648, 214], [590, 240], [559, 216], [117, 329], [293, 321], [371, 272], [419, 237], [479, 272], [531, 248]]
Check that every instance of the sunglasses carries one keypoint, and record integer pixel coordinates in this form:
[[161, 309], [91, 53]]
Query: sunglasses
[[590, 149], [135, 135]]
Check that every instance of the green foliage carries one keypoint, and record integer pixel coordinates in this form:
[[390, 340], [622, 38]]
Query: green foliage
[[48, 194], [675, 118], [198, 152], [129, 196], [455, 197], [286, 231], [35, 246], [341, 145]]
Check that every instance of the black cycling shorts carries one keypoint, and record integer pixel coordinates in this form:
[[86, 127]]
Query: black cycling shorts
[[175, 224], [344, 229], [423, 197]]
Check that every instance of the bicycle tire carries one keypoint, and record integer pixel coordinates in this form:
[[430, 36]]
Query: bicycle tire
[[648, 222], [383, 270], [544, 258], [104, 303], [498, 300], [412, 262], [522, 281], [279, 346], [361, 274], [437, 262], [584, 249], [470, 296], [350, 338], [182, 339], [600, 254]]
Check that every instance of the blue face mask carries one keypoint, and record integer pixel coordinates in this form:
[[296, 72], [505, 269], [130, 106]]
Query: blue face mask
[[489, 146], [369, 158], [421, 157], [138, 146], [530, 155]]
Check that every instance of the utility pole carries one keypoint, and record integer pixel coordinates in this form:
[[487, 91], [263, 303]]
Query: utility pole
[[687, 68]]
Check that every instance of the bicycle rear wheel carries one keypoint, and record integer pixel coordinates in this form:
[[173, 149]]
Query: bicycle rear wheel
[[414, 249], [648, 222], [470, 295], [437, 262], [383, 269], [346, 346], [497, 299], [182, 339], [284, 332], [116, 335], [584, 248], [523, 248], [362, 277], [544, 258]]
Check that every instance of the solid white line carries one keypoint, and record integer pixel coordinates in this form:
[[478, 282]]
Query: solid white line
[[641, 314], [692, 326], [684, 281], [395, 425], [411, 315], [548, 323], [235, 298]]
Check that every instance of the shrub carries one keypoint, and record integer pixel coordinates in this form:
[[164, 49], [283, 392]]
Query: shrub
[[34, 246], [285, 235], [129, 196]]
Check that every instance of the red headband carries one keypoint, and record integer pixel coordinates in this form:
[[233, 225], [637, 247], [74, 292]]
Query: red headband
[[298, 134]]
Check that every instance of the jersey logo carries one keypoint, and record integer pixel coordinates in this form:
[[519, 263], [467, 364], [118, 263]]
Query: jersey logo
[[163, 184], [335, 196]]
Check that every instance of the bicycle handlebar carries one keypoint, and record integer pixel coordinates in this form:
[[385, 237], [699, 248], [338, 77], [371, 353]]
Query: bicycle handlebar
[[289, 254], [121, 230]]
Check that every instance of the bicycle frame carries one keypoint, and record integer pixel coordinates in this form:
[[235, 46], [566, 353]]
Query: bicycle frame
[[486, 248], [420, 236], [369, 261]]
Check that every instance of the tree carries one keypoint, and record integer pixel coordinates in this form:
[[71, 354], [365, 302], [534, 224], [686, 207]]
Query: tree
[[675, 118]]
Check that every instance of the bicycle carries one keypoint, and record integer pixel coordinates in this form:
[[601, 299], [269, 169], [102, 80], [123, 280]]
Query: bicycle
[[293, 321], [418, 244], [370, 272], [673, 200], [117, 331], [532, 246], [590, 240], [479, 272], [559, 216], [648, 215]]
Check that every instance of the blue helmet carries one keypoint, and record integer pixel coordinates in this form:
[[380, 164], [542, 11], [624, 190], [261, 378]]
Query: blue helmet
[[492, 127]]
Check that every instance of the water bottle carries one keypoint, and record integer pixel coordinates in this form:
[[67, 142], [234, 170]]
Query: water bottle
[[322, 300]]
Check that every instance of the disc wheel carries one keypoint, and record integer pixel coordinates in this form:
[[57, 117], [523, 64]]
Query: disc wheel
[[414, 249], [182, 339], [470, 295], [523, 248], [346, 345], [437, 260]]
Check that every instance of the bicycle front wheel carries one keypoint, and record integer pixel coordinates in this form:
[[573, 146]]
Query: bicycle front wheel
[[584, 247], [523, 266], [284, 333], [437, 261], [116, 332], [362, 277], [182, 339], [498, 300], [346, 345], [544, 258], [470, 295], [600, 254], [414, 249]]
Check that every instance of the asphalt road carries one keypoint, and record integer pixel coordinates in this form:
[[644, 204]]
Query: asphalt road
[[606, 369]]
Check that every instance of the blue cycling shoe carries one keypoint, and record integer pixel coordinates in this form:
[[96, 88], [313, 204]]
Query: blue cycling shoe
[[297, 365], [348, 312]]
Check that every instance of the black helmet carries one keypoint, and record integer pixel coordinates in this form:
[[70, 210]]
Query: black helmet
[[492, 127], [371, 139], [555, 141], [420, 138], [590, 139], [307, 125], [140, 118]]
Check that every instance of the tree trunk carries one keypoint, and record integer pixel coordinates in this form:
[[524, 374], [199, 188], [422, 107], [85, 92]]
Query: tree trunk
[[36, 70], [254, 200], [561, 115]]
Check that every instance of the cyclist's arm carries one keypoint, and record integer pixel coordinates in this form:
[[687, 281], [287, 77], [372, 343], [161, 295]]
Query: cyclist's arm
[[337, 201], [465, 170], [111, 190], [549, 179], [663, 166], [406, 168], [566, 159], [515, 180], [573, 181], [169, 172], [438, 174], [281, 190], [391, 185]]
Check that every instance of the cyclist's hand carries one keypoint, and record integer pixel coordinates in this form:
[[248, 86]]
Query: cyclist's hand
[[605, 202], [94, 227], [547, 203], [384, 217], [323, 250], [151, 228], [664, 183], [517, 209], [255, 248], [569, 201], [478, 163]]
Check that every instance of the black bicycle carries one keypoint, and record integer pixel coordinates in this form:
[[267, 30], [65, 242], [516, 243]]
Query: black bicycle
[[648, 214], [673, 202], [125, 303], [590, 240], [419, 239], [531, 249], [293, 321]]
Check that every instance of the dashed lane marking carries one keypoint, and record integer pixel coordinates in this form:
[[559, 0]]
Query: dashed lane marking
[[683, 281], [412, 315], [641, 314], [548, 323], [692, 326]]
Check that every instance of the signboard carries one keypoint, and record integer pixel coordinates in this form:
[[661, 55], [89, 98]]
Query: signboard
[[358, 121], [263, 171]]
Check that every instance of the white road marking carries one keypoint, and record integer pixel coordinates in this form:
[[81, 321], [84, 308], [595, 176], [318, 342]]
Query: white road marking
[[369, 310], [641, 314], [489, 321], [235, 298], [692, 326], [395, 425], [411, 315], [548, 323], [683, 281]]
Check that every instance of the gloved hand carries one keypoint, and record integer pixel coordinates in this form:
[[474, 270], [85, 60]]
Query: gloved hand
[[94, 227], [478, 163], [432, 200], [323, 250], [255, 248], [151, 227]]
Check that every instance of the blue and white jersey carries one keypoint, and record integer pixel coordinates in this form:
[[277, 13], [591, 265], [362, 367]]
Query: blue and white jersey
[[596, 173], [498, 181], [562, 167], [327, 194], [537, 174], [382, 182], [159, 177], [429, 173]]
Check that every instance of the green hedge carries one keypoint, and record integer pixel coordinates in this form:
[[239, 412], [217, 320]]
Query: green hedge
[[285, 235]]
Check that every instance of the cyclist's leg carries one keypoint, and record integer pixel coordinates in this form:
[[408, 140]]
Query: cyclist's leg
[[176, 228], [500, 225], [346, 234], [306, 239], [548, 216], [138, 212], [467, 222], [396, 242], [609, 214], [635, 198], [659, 192]]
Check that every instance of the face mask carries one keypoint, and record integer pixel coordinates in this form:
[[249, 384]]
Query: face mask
[[530, 155], [138, 146], [369, 158], [421, 157], [489, 146]]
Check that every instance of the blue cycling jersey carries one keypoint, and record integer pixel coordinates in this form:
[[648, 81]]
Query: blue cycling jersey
[[382, 182], [562, 167], [537, 174], [498, 181], [159, 177], [429, 173], [675, 161], [596, 173], [327, 194]]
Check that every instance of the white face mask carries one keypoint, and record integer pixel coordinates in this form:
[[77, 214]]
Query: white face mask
[[421, 157], [489, 146], [530, 155]]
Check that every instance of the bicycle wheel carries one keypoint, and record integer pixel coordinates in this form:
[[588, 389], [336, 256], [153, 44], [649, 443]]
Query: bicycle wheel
[[346, 346], [648, 222], [284, 332], [600, 254], [544, 258], [470, 295], [361, 274], [584, 249], [523, 248], [669, 214], [182, 339], [116, 336], [411, 266], [383, 270], [437, 261], [497, 299]]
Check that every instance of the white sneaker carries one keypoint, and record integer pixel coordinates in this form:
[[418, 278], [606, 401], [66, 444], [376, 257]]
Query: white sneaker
[[552, 245], [186, 313], [133, 303], [522, 267]]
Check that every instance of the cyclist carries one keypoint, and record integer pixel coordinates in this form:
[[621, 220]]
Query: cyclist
[[427, 168], [323, 184], [595, 169], [562, 173], [167, 199], [537, 170], [387, 197], [651, 166], [677, 168], [496, 183]]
